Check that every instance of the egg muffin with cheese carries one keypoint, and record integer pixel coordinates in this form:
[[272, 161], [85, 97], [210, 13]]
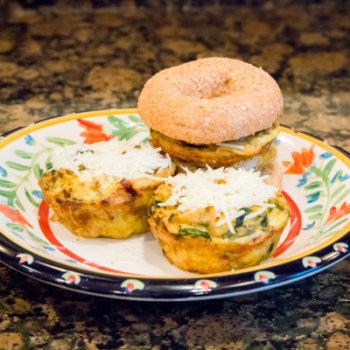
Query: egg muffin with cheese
[[257, 148], [104, 189], [210, 221]]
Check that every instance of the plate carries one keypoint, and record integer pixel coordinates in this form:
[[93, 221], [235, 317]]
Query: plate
[[316, 186]]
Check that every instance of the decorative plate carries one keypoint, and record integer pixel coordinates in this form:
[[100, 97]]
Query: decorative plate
[[316, 185]]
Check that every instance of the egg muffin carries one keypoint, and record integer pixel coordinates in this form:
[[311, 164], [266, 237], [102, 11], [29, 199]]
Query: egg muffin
[[104, 189], [210, 221], [258, 148]]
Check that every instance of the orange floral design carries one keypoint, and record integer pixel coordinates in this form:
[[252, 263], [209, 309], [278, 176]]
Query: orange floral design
[[335, 213], [14, 215], [94, 132], [301, 161]]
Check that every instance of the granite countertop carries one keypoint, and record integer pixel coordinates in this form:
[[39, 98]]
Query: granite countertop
[[61, 59]]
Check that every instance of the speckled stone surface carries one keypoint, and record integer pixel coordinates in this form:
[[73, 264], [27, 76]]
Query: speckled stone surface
[[58, 60]]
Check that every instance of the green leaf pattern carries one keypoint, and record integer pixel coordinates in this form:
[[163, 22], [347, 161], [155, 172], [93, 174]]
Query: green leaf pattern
[[127, 128], [22, 166], [324, 190]]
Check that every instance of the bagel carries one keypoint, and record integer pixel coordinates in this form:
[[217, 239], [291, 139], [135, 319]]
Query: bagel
[[214, 111], [210, 100]]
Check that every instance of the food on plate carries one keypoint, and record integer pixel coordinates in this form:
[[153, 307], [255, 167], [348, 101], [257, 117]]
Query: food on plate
[[273, 174], [216, 111], [216, 220], [105, 188]]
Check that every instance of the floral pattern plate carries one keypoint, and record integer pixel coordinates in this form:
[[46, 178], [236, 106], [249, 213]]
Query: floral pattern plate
[[316, 185]]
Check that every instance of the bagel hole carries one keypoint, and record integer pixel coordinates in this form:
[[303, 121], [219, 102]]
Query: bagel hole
[[221, 87]]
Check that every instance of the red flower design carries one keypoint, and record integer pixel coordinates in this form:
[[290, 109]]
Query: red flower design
[[301, 161], [263, 278], [205, 285], [335, 213], [71, 279], [23, 259], [130, 287], [94, 132], [14, 215]]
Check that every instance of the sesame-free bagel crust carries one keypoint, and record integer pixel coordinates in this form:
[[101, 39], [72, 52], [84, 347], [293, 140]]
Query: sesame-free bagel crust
[[210, 100]]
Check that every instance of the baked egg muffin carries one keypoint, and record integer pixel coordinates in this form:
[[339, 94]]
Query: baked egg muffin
[[257, 149], [104, 189], [210, 221]]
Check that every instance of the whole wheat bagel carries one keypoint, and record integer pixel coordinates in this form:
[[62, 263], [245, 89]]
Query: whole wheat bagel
[[210, 100]]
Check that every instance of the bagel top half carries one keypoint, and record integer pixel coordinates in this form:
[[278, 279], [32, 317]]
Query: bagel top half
[[210, 100]]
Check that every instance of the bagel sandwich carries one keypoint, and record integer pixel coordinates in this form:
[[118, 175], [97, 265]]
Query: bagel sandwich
[[217, 111], [104, 189], [216, 220]]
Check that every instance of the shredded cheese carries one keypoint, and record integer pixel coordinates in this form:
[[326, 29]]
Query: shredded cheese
[[256, 213], [228, 190], [111, 159], [234, 216]]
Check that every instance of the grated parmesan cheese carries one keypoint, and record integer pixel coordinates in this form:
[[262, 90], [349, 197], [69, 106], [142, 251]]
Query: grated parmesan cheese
[[111, 159], [226, 189]]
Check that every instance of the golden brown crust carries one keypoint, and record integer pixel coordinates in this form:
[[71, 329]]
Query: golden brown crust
[[193, 242], [90, 209], [201, 255], [210, 100], [213, 155]]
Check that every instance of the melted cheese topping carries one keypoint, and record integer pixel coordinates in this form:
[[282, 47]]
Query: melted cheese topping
[[111, 159], [228, 190], [259, 139]]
